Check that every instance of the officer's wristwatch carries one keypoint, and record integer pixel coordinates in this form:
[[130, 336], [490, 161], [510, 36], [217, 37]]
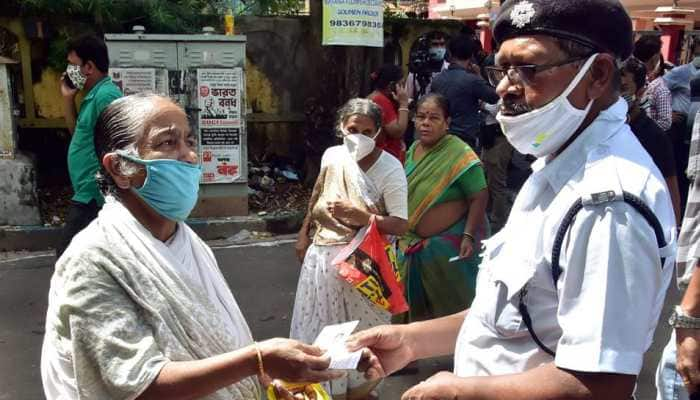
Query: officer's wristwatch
[[679, 319]]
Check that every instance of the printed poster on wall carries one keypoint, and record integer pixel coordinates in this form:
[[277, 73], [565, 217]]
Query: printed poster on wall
[[353, 23], [134, 80], [139, 80], [219, 93]]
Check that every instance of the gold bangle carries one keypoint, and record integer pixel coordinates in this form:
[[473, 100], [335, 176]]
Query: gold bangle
[[404, 109], [261, 367], [470, 236]]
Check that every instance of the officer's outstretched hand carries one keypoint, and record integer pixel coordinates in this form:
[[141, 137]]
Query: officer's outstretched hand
[[388, 350], [441, 386], [688, 358]]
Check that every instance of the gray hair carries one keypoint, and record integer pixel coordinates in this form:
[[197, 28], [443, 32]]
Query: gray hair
[[120, 127], [358, 106]]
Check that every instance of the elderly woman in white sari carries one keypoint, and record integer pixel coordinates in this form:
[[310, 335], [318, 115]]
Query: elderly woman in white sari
[[138, 308], [358, 182]]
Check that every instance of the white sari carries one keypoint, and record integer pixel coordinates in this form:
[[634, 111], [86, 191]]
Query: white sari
[[322, 297], [122, 304]]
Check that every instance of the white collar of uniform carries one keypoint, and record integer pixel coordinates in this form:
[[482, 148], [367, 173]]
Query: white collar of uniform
[[559, 170]]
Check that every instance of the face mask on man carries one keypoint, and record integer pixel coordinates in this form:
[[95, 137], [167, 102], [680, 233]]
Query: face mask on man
[[437, 53], [75, 76], [543, 131], [171, 187], [358, 145]]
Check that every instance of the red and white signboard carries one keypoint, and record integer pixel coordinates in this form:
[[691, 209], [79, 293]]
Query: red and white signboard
[[220, 127]]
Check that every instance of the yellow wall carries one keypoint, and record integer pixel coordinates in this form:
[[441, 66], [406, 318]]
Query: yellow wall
[[261, 96], [47, 95]]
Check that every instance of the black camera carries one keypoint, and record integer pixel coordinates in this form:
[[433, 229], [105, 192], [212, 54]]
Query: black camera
[[420, 61], [422, 64]]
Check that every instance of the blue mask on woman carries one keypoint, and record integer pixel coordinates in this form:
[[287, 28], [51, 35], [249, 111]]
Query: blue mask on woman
[[171, 186]]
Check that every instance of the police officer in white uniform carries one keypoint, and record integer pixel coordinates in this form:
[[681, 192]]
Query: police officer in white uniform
[[535, 330]]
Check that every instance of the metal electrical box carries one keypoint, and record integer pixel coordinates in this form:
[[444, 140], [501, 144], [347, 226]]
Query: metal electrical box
[[205, 74]]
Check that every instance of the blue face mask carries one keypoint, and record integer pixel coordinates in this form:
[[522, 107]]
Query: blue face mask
[[171, 186], [438, 53]]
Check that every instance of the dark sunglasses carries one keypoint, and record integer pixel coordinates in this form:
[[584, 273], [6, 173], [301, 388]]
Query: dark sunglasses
[[523, 73]]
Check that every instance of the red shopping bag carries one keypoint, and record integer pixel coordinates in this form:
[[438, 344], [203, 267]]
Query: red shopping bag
[[369, 264]]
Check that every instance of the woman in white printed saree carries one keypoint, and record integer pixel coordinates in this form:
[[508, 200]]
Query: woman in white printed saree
[[137, 306], [357, 182]]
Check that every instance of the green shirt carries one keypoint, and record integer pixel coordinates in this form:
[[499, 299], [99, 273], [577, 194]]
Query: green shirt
[[82, 159]]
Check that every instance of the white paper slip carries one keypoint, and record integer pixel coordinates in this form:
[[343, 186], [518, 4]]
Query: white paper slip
[[332, 339], [332, 335], [342, 359]]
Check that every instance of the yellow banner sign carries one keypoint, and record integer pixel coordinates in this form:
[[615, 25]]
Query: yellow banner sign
[[353, 23]]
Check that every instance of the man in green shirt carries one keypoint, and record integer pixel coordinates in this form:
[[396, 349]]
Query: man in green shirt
[[88, 64]]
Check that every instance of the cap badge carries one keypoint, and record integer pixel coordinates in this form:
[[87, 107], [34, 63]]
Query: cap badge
[[522, 14]]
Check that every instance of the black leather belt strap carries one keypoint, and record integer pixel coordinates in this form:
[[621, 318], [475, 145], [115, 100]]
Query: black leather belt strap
[[597, 199]]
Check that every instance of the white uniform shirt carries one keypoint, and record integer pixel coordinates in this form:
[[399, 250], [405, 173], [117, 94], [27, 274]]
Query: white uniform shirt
[[602, 315]]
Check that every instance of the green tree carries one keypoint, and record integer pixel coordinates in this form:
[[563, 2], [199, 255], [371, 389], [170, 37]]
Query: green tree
[[162, 16], [73, 17], [271, 7]]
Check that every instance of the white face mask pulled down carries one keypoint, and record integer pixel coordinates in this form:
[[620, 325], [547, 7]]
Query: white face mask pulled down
[[358, 145], [543, 131]]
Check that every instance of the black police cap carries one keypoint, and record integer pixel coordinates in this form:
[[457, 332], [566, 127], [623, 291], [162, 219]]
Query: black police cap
[[602, 25]]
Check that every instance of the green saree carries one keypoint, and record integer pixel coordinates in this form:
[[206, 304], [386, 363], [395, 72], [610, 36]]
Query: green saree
[[434, 286]]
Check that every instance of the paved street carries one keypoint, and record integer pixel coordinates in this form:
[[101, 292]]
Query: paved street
[[263, 279]]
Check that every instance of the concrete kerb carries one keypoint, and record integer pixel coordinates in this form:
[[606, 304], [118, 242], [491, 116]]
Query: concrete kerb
[[39, 238]]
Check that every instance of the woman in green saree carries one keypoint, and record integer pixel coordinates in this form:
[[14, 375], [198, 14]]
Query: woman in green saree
[[447, 198]]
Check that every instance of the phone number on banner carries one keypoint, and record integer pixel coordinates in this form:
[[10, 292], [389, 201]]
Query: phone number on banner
[[352, 23]]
